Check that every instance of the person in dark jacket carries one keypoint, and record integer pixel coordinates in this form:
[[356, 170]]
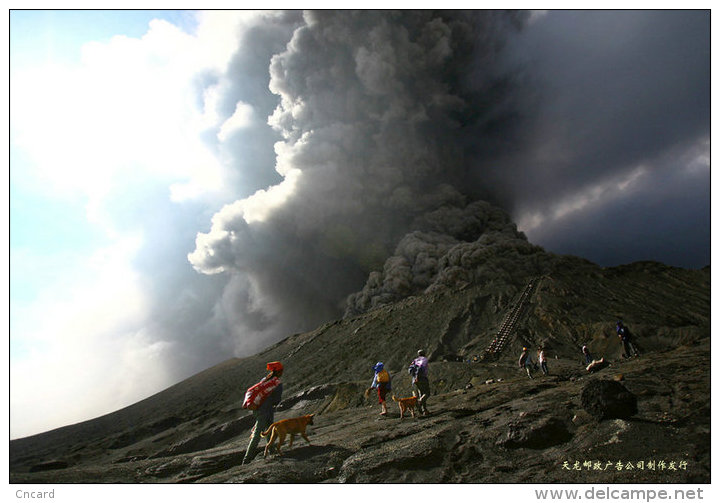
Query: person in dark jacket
[[629, 349], [525, 361], [265, 413]]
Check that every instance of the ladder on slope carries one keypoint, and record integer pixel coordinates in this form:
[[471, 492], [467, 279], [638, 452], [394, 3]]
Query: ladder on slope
[[507, 328]]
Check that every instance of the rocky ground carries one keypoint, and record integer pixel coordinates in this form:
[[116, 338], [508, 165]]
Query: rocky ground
[[488, 423], [515, 430]]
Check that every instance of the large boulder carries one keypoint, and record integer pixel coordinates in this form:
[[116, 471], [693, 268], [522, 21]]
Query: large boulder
[[605, 399]]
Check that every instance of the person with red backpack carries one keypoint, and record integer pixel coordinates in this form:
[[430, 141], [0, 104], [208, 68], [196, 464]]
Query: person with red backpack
[[261, 399]]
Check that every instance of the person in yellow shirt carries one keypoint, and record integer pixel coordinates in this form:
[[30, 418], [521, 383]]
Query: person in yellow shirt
[[381, 382]]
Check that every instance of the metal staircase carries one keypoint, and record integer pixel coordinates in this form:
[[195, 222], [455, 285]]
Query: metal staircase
[[507, 328]]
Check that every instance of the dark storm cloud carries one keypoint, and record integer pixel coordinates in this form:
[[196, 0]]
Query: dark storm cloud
[[664, 215], [609, 92]]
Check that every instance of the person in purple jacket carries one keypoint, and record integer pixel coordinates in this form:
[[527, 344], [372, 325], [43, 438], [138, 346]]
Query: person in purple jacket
[[421, 383]]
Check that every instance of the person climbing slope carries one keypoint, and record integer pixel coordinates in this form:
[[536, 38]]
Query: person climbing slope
[[623, 332], [542, 359], [525, 361], [418, 370], [264, 412], [382, 383]]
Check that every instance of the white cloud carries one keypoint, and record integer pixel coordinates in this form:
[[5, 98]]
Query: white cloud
[[218, 32], [697, 161], [240, 119], [257, 207], [592, 195], [131, 104], [78, 350], [126, 119], [63, 384], [253, 209]]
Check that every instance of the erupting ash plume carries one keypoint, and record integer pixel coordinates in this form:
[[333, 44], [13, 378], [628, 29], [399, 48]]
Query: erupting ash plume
[[294, 167], [375, 111], [394, 127], [475, 244]]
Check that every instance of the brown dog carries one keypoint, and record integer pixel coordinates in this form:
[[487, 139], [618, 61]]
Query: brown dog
[[279, 429], [405, 404]]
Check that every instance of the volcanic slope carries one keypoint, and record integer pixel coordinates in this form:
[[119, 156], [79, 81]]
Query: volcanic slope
[[488, 422]]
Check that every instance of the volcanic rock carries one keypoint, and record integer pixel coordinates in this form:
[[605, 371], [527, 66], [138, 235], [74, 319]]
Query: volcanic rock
[[49, 465], [513, 430], [605, 399], [546, 432]]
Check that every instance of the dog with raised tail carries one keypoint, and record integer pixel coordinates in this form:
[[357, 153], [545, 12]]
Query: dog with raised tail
[[280, 429], [406, 404]]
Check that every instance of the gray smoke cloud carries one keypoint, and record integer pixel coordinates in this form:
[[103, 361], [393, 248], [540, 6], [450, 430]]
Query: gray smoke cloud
[[205, 318], [373, 112], [392, 127], [457, 247]]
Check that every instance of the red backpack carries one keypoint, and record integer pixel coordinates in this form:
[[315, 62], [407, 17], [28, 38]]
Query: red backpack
[[256, 395]]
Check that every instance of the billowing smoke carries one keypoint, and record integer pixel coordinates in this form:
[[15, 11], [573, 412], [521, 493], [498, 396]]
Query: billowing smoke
[[374, 113], [394, 126], [457, 247]]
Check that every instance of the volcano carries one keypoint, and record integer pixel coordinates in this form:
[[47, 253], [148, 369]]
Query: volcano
[[488, 421]]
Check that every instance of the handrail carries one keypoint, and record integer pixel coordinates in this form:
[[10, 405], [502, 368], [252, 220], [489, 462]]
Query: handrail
[[510, 321]]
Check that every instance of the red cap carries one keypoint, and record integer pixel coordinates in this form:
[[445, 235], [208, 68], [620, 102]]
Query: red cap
[[274, 366]]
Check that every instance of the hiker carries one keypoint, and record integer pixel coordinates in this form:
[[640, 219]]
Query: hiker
[[265, 413], [382, 383], [418, 370], [625, 337], [587, 355], [543, 361], [526, 361]]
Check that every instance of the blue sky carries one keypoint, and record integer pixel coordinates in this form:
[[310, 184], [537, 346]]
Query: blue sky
[[58, 35], [48, 224], [75, 233]]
